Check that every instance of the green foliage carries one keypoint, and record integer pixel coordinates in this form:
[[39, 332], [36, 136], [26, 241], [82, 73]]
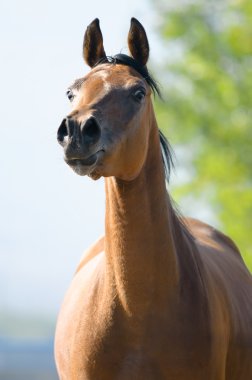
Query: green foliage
[[208, 105]]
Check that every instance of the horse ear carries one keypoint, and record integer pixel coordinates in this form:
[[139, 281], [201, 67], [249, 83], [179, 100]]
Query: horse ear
[[138, 42], [93, 50]]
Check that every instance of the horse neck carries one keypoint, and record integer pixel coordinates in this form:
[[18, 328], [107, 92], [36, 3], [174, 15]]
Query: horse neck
[[140, 251]]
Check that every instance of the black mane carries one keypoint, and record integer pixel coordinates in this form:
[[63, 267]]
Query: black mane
[[124, 59], [167, 155]]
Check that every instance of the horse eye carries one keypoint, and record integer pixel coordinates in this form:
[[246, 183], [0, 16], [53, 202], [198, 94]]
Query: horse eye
[[70, 95], [139, 95]]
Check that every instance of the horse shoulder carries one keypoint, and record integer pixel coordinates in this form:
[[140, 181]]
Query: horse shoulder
[[209, 236], [226, 272], [220, 256]]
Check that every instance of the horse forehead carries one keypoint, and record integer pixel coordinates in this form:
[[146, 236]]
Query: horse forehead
[[114, 76]]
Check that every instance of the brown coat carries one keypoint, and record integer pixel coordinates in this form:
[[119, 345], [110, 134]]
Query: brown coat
[[159, 297]]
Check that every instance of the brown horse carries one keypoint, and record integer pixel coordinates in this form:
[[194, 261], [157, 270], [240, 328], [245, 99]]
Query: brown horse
[[159, 297]]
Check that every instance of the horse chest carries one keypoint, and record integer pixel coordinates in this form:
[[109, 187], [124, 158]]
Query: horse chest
[[95, 341]]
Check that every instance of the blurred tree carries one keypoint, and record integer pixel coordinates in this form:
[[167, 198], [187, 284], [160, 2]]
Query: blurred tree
[[208, 105]]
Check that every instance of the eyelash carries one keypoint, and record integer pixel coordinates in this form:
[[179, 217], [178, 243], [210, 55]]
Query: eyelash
[[139, 94]]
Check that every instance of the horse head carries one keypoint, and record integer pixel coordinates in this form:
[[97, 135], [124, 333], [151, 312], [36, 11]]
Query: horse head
[[107, 132]]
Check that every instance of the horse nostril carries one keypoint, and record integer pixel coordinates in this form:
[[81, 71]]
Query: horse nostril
[[91, 131], [62, 131]]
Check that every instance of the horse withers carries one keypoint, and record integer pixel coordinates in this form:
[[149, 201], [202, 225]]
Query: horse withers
[[159, 297]]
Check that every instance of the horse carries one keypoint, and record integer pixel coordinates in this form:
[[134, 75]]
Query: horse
[[160, 296]]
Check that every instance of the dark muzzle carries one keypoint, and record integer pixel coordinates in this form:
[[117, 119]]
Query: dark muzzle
[[72, 132]]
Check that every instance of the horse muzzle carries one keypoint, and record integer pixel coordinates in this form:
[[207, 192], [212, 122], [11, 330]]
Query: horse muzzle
[[81, 143]]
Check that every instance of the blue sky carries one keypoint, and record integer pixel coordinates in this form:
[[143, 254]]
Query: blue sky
[[48, 214]]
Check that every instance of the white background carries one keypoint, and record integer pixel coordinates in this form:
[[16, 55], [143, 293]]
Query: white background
[[49, 215]]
